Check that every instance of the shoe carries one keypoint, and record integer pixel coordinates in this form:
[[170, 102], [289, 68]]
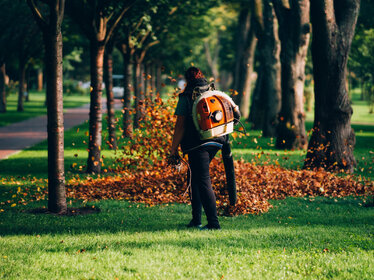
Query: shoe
[[208, 227], [192, 224]]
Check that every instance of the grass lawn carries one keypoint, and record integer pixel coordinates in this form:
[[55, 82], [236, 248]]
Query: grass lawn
[[35, 107], [299, 238]]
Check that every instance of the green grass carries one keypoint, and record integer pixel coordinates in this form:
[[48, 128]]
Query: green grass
[[35, 107], [360, 110], [299, 238]]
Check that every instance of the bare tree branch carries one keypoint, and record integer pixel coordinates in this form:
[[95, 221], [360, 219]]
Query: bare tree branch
[[61, 10], [143, 53], [37, 14], [118, 20]]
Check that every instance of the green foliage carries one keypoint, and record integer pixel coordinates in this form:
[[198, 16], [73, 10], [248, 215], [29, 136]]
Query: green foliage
[[20, 37], [72, 87], [361, 59]]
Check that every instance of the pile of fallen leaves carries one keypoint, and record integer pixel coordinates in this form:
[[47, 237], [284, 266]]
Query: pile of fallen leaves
[[256, 184], [142, 174]]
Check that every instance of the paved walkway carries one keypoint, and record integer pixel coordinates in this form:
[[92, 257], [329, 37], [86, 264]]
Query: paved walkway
[[19, 136]]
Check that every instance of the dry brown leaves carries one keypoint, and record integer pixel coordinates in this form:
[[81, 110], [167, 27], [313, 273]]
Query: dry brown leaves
[[143, 175], [255, 186]]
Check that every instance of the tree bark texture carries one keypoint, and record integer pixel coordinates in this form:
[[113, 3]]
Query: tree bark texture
[[95, 123], [52, 37], [108, 80], [246, 46], [333, 139], [269, 49], [294, 32], [56, 170], [2, 88], [21, 86]]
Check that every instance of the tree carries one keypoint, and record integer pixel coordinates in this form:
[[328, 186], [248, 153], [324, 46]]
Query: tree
[[124, 47], [267, 94], [130, 37], [51, 29], [332, 142], [246, 44], [294, 31], [108, 80], [98, 20]]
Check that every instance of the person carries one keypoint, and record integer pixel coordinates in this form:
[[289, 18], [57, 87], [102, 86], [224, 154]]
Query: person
[[200, 153]]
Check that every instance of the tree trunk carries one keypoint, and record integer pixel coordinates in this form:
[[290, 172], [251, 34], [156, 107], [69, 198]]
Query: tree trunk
[[332, 142], [146, 81], [40, 79], [244, 22], [247, 71], [246, 45], [95, 122], [257, 110], [269, 47], [159, 77], [127, 110], [55, 126], [108, 79], [2, 88], [21, 86], [294, 30], [153, 81], [26, 86], [139, 94], [212, 60], [226, 79]]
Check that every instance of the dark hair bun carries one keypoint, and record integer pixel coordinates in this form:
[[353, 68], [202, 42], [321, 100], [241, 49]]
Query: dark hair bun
[[193, 73]]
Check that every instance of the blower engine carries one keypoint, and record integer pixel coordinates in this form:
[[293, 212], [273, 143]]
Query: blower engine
[[214, 114]]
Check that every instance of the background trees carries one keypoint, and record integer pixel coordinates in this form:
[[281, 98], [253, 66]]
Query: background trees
[[233, 42], [98, 20]]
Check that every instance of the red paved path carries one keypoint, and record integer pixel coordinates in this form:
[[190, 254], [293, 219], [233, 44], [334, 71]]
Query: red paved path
[[18, 136]]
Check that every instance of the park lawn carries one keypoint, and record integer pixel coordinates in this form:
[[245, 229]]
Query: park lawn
[[313, 238], [35, 107], [298, 238]]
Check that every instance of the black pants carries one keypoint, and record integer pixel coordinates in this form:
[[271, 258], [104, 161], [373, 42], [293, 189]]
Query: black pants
[[202, 192]]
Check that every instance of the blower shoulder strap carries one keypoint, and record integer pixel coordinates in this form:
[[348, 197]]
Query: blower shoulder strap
[[199, 90]]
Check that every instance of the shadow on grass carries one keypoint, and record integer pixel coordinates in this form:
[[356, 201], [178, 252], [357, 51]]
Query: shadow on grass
[[70, 211], [121, 216]]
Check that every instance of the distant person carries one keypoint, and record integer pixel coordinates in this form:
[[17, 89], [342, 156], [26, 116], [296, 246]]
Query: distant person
[[200, 153]]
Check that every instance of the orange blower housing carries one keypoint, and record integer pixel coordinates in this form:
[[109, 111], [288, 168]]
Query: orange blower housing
[[213, 114]]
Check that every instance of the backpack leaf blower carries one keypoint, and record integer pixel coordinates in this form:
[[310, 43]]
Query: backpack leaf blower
[[214, 113]]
